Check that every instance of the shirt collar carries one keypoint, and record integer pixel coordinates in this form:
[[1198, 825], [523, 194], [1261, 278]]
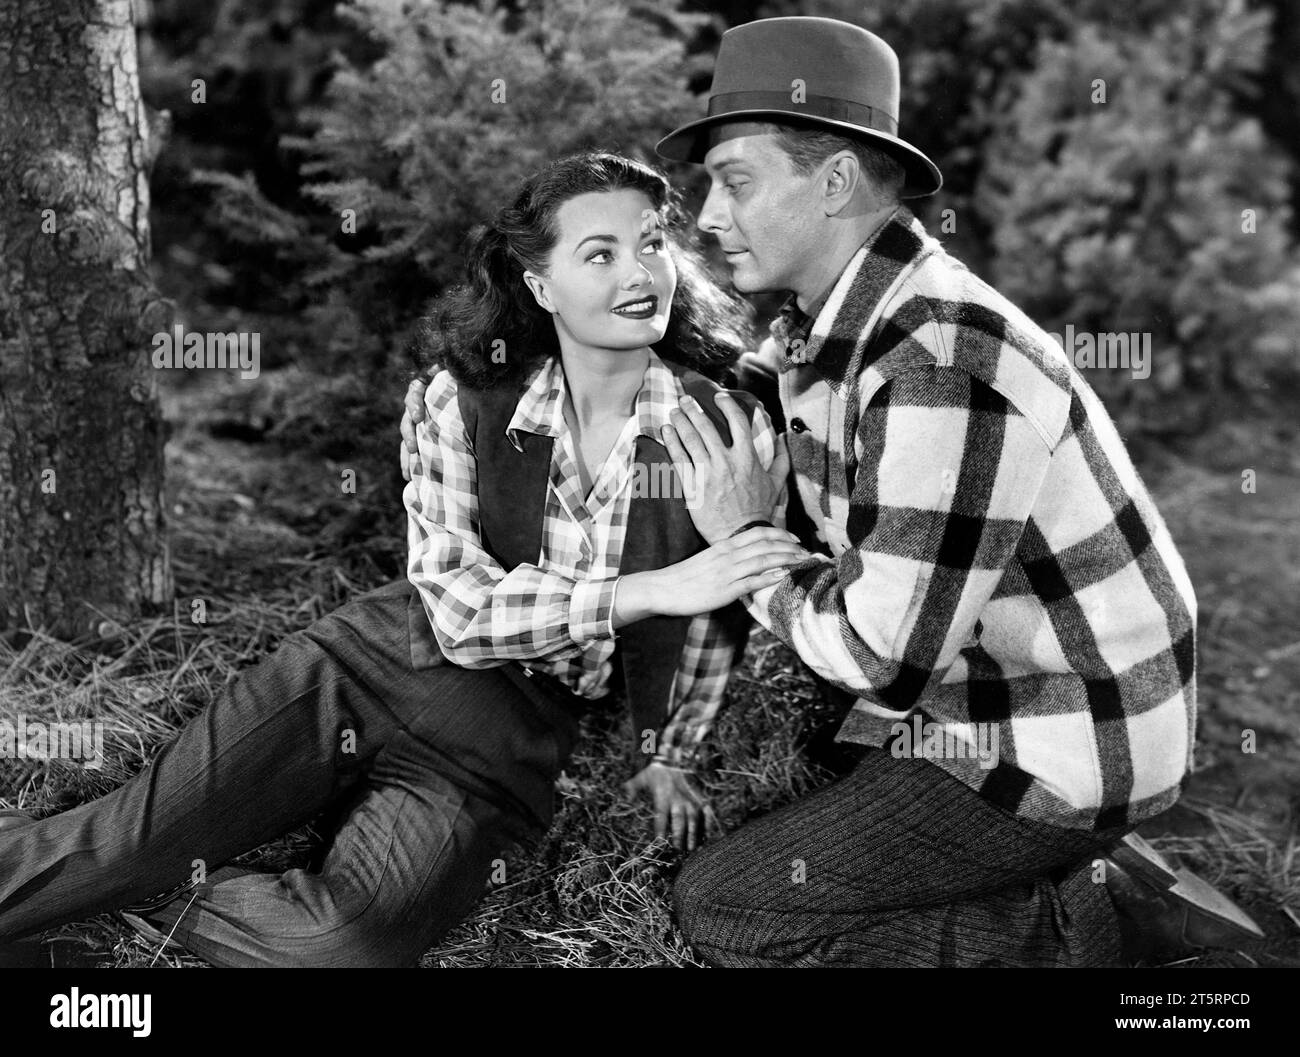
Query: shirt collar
[[541, 407], [793, 324]]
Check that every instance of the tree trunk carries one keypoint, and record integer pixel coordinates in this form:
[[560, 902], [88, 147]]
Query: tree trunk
[[82, 531]]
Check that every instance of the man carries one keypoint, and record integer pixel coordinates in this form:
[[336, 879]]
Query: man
[[995, 592], [996, 589]]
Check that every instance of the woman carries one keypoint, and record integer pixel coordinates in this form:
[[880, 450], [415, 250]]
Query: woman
[[436, 712]]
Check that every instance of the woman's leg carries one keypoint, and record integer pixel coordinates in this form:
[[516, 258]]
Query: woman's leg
[[412, 857], [287, 738], [407, 866]]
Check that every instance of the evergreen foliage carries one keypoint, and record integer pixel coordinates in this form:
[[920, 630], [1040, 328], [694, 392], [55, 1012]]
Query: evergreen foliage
[[1122, 216]]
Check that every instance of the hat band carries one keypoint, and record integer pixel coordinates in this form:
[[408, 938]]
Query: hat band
[[824, 106]]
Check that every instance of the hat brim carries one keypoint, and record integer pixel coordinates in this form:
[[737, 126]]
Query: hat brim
[[690, 143]]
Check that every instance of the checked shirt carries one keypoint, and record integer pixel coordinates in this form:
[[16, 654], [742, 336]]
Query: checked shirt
[[991, 556], [555, 614]]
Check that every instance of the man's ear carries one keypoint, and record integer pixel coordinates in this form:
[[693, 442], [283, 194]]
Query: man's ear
[[843, 178], [537, 285]]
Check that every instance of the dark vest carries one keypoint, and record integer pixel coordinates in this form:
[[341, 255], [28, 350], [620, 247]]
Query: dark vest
[[512, 488]]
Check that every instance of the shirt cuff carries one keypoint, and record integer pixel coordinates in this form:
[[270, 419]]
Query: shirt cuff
[[758, 602], [591, 610]]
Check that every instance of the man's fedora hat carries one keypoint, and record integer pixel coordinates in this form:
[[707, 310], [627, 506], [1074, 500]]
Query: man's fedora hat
[[808, 72]]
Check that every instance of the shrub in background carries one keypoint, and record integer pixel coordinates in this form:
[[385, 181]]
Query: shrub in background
[[419, 116], [1119, 183]]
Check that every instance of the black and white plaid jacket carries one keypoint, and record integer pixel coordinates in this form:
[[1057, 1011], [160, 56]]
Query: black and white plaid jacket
[[997, 573]]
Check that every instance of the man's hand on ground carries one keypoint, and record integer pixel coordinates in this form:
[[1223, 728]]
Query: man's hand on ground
[[413, 414], [681, 812], [726, 487]]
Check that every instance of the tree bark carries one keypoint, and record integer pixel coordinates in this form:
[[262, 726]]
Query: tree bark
[[83, 536]]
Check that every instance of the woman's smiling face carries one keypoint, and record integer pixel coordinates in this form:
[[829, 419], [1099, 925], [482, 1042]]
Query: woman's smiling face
[[610, 279]]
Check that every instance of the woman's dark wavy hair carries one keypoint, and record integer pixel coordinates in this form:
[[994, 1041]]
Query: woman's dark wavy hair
[[707, 329]]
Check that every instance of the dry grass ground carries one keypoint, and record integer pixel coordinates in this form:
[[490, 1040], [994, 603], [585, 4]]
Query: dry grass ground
[[267, 540]]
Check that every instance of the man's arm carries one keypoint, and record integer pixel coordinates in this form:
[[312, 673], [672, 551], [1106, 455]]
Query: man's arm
[[948, 476]]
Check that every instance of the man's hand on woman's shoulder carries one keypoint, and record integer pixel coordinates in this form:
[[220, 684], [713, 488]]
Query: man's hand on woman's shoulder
[[727, 485]]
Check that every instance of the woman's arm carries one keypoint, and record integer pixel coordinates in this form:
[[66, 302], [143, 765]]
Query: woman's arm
[[700, 687], [484, 616], [712, 644]]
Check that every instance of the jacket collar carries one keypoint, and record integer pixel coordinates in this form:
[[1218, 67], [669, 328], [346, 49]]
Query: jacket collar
[[891, 252]]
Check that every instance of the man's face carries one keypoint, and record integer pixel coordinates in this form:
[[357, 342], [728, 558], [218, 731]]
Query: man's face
[[766, 217]]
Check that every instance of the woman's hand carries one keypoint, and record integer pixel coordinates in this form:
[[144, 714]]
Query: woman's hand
[[681, 812], [716, 577]]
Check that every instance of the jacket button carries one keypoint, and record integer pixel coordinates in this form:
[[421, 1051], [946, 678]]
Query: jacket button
[[798, 425]]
